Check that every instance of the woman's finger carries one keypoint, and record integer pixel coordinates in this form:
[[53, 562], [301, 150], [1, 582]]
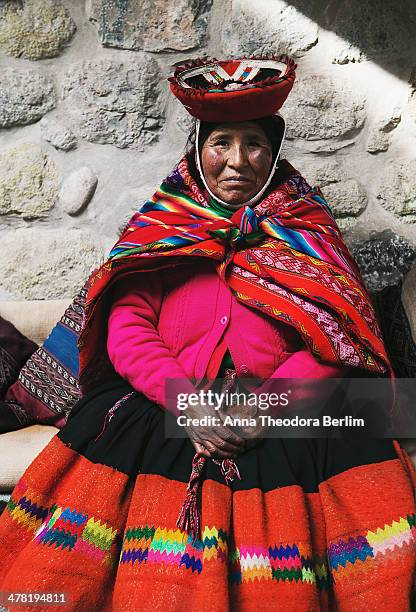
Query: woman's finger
[[223, 443], [222, 448], [198, 443], [211, 448], [230, 436], [202, 450], [214, 451]]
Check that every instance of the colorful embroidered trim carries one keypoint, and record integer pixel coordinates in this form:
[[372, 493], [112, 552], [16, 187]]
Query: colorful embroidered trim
[[281, 563], [173, 546], [76, 531], [362, 549], [65, 528], [152, 544]]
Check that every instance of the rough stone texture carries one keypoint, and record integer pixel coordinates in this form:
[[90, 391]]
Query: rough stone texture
[[34, 29], [77, 190], [115, 103], [48, 263], [322, 172], [57, 134], [345, 195], [379, 30], [347, 199], [411, 106], [345, 52], [25, 96], [397, 189], [379, 139], [267, 26], [412, 77], [322, 108], [112, 98], [28, 182], [151, 25], [384, 259], [184, 120]]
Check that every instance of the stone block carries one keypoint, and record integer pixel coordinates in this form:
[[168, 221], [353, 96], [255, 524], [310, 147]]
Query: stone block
[[183, 119], [347, 199], [25, 96], [77, 190], [57, 134], [267, 26], [344, 194], [150, 25], [396, 190], [371, 29], [116, 103], [322, 108], [411, 106], [345, 52], [383, 259], [34, 29], [47, 263], [379, 138], [28, 182]]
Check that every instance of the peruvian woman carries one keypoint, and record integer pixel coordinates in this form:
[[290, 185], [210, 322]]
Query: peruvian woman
[[234, 269]]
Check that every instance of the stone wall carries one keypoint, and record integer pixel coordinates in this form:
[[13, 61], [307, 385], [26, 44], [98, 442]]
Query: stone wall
[[88, 127]]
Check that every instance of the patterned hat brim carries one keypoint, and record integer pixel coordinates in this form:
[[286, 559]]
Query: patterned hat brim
[[234, 90]]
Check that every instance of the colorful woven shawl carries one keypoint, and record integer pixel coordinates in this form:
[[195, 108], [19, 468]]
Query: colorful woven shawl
[[284, 257]]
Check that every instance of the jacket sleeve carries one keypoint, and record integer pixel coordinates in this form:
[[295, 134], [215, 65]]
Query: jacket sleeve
[[134, 344], [302, 364], [308, 369]]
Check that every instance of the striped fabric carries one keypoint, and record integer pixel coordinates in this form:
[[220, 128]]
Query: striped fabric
[[76, 531], [285, 257]]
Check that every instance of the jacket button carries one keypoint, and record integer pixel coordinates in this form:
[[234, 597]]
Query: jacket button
[[244, 369], [223, 320]]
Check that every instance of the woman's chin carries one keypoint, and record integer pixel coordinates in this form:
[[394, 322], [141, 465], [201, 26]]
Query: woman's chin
[[235, 196]]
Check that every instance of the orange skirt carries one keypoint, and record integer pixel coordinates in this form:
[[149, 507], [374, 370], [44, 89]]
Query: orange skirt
[[303, 530]]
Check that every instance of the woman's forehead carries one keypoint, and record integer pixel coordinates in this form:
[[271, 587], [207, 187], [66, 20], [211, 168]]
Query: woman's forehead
[[243, 127]]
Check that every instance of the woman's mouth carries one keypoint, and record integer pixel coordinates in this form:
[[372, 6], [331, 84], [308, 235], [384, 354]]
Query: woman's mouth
[[236, 180]]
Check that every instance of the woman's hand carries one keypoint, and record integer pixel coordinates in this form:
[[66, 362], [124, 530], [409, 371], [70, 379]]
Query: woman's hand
[[216, 441]]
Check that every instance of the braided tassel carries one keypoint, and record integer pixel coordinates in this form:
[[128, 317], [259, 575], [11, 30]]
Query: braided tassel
[[229, 469], [189, 519], [111, 412]]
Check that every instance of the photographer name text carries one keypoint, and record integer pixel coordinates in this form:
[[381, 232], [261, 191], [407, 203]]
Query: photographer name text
[[266, 420]]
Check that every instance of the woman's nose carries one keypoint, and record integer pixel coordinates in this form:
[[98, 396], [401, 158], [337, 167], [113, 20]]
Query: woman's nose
[[237, 156]]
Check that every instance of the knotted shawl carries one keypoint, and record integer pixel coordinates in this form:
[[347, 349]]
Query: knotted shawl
[[285, 257]]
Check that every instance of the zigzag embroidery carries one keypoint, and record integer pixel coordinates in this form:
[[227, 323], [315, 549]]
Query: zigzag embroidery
[[150, 544], [363, 552], [73, 530], [62, 527]]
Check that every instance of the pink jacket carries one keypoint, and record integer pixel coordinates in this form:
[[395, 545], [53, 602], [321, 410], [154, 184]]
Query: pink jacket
[[178, 323]]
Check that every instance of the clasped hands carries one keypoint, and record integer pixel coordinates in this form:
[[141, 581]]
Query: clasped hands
[[217, 441]]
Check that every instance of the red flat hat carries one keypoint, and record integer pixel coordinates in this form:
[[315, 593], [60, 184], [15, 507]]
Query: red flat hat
[[234, 90]]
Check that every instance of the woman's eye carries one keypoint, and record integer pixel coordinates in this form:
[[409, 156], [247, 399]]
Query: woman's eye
[[254, 143], [221, 143]]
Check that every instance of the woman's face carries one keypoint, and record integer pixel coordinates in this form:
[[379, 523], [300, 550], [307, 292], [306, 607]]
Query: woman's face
[[236, 160]]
